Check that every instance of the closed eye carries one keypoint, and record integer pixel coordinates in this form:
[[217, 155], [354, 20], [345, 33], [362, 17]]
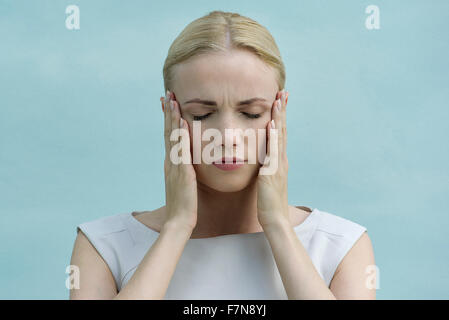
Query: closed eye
[[251, 115], [202, 117], [248, 115]]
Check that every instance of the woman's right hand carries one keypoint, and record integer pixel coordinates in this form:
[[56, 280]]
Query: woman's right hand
[[180, 179]]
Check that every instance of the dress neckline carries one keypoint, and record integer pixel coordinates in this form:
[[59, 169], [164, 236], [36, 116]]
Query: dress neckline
[[298, 227]]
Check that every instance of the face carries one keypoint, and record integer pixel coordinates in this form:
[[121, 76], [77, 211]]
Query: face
[[233, 90]]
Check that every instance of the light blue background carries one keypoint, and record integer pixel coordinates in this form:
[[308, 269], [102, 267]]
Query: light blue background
[[81, 126]]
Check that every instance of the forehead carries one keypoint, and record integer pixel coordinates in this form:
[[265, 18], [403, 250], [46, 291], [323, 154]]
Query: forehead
[[238, 72]]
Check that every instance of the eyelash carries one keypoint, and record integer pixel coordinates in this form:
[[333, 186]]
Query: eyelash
[[248, 115]]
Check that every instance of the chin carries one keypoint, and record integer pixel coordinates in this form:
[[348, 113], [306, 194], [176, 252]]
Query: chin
[[226, 181]]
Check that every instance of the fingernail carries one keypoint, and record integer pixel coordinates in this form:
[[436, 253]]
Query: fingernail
[[181, 122], [171, 105], [278, 104], [272, 124], [167, 95]]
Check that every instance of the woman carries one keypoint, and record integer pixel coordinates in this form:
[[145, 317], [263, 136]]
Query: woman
[[226, 231]]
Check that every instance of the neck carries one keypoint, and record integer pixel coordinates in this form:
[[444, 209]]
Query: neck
[[227, 212]]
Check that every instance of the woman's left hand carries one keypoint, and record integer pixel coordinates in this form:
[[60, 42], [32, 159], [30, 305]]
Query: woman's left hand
[[272, 199]]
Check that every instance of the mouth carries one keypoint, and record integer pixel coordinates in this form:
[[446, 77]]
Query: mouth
[[228, 164]]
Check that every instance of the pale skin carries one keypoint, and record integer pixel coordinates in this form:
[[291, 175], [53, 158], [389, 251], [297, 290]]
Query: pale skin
[[203, 201]]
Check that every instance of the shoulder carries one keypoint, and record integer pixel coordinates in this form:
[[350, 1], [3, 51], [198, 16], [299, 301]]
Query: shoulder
[[108, 234], [346, 257], [103, 225], [338, 231], [104, 240], [333, 238], [339, 226]]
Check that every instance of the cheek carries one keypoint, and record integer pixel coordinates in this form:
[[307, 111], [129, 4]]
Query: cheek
[[261, 133], [261, 145]]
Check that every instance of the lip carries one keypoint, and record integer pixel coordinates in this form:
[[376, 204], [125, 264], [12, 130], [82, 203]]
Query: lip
[[234, 163]]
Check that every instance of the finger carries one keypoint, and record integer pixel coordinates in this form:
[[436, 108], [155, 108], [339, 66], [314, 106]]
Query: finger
[[177, 122], [277, 117], [268, 126], [280, 115], [175, 116], [184, 125], [167, 124], [284, 121], [272, 141]]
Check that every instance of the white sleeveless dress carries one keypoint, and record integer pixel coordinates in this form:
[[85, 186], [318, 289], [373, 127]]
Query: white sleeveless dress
[[236, 266]]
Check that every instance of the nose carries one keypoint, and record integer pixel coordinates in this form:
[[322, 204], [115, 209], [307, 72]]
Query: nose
[[231, 132]]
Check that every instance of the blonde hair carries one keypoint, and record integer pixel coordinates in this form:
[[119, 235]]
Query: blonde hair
[[218, 32]]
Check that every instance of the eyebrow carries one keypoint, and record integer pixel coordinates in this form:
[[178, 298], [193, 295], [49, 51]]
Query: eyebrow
[[213, 103]]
